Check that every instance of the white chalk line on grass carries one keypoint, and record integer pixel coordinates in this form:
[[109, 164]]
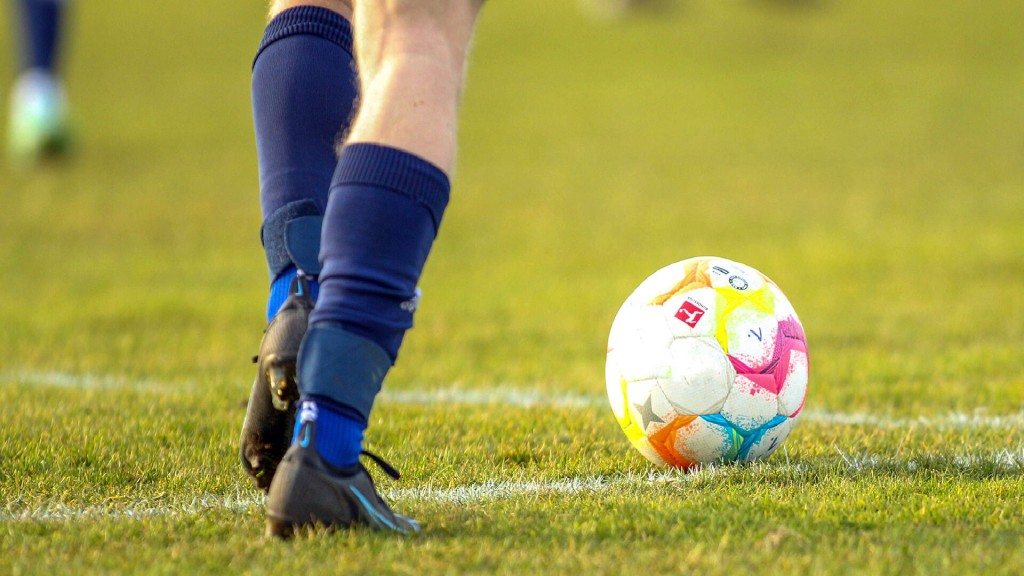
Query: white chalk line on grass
[[517, 397], [1005, 461], [134, 510], [91, 382], [239, 502], [529, 398]]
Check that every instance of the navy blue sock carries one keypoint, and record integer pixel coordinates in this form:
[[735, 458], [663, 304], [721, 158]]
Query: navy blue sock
[[304, 87], [279, 290], [382, 217], [339, 430], [42, 22]]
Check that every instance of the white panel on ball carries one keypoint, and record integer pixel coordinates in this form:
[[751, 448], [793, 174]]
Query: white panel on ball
[[729, 274], [703, 441], [613, 381], [700, 378], [770, 441], [749, 406], [752, 333], [692, 313], [794, 387], [647, 396]]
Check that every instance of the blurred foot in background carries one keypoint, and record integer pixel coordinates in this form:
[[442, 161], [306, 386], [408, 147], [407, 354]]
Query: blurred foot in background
[[38, 113]]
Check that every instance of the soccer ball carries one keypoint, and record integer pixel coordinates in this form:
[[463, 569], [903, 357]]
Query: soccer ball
[[707, 362]]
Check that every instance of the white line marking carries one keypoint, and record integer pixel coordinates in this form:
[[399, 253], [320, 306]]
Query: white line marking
[[506, 395], [949, 420], [239, 502], [136, 510], [91, 382], [997, 460], [530, 398], [1004, 461], [502, 490], [518, 397]]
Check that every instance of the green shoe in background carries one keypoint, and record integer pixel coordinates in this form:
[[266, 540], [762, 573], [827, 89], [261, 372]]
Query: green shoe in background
[[38, 123]]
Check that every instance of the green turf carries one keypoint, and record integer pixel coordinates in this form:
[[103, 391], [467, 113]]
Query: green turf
[[868, 156]]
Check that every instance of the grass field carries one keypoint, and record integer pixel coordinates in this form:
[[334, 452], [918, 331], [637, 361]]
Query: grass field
[[868, 156]]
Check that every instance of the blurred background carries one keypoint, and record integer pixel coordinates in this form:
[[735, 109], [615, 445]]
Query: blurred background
[[868, 156]]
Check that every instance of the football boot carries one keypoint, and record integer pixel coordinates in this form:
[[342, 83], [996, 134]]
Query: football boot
[[309, 493], [270, 415]]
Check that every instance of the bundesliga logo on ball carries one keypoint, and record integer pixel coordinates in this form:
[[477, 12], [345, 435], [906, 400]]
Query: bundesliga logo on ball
[[707, 362]]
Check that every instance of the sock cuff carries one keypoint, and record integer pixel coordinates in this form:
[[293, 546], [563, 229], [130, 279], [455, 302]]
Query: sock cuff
[[344, 367], [396, 170], [291, 237], [336, 407], [308, 20]]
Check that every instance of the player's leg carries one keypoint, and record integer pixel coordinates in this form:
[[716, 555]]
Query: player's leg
[[304, 89], [38, 106], [412, 69], [387, 199]]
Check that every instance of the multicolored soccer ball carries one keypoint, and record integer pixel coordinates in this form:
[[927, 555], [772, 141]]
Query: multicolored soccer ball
[[707, 362]]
